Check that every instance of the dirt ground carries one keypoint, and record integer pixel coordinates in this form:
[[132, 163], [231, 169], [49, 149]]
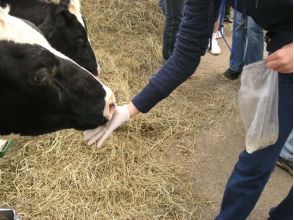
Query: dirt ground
[[217, 148]]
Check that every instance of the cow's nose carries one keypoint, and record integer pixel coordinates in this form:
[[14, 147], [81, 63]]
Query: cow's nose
[[110, 103]]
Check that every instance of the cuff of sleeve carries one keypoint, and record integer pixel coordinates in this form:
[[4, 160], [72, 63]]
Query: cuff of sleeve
[[147, 98]]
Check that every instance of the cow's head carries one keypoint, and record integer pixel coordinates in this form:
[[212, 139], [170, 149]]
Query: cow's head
[[41, 90], [65, 29]]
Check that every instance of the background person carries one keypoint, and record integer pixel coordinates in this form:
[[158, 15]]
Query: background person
[[285, 159], [215, 49], [173, 12], [227, 14], [247, 45]]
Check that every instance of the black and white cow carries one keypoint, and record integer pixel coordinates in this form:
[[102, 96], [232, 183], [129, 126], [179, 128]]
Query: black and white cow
[[62, 25], [41, 90]]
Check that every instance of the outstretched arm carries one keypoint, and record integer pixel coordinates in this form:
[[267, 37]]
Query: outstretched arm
[[191, 44]]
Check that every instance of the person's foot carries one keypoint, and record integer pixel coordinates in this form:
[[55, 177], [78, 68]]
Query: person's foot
[[227, 19], [220, 32], [285, 164], [232, 74], [218, 35], [215, 49]]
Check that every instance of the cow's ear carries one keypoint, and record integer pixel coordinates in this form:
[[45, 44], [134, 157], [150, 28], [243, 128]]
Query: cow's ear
[[74, 7], [63, 15]]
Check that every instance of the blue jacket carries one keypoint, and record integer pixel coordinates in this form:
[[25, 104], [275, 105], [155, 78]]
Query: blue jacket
[[275, 16]]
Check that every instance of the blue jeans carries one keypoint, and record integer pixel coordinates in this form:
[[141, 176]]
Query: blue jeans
[[252, 171], [161, 5], [247, 43], [173, 10], [287, 151]]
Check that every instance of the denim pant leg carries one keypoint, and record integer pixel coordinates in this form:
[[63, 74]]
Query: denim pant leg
[[252, 171], [173, 16], [254, 43], [238, 43], [161, 5], [287, 151], [227, 10]]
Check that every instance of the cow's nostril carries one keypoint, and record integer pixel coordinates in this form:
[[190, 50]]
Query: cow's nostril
[[109, 103], [111, 110]]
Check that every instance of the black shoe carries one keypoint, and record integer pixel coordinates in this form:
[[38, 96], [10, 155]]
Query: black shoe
[[231, 74], [227, 20], [285, 164]]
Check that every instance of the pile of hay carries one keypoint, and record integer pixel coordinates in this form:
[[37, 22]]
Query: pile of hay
[[142, 171]]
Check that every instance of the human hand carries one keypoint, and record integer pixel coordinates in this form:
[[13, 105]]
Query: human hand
[[99, 134], [121, 115], [281, 60]]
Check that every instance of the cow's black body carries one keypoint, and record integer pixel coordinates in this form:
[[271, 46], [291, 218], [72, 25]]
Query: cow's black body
[[41, 92], [60, 27]]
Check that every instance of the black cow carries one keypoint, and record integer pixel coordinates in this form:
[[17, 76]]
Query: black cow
[[41, 90], [62, 25]]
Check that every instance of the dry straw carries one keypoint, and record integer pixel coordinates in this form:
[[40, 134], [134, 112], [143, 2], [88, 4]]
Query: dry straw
[[143, 170]]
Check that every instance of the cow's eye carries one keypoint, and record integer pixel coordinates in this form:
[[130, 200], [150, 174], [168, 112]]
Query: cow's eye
[[41, 76], [80, 42]]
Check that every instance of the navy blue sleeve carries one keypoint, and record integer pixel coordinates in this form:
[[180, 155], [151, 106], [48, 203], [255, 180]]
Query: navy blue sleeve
[[191, 44]]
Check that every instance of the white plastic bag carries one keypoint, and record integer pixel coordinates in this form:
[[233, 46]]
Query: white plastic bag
[[258, 103]]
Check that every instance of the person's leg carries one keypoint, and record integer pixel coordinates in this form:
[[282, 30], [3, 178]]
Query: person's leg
[[285, 160], [161, 5], [252, 171], [174, 14], [238, 43], [238, 47], [227, 14], [227, 10], [287, 151], [215, 49], [254, 43], [284, 211]]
